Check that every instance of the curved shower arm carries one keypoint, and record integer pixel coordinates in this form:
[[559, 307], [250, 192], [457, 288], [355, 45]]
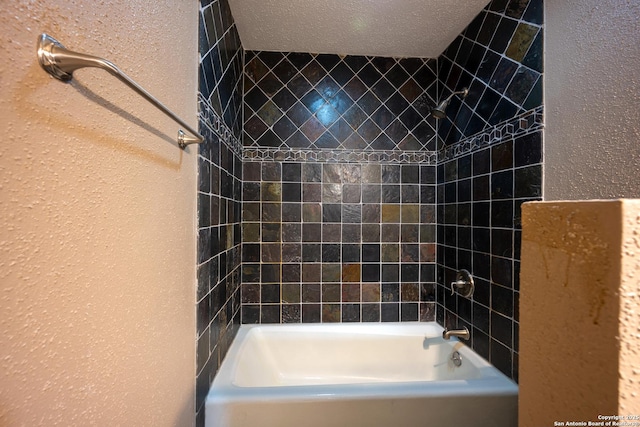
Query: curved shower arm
[[61, 62], [464, 92]]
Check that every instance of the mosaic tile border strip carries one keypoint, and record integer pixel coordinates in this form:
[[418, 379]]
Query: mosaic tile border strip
[[528, 122], [339, 156], [210, 118]]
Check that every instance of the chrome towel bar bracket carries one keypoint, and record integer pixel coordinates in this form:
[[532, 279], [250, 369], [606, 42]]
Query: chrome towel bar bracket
[[61, 62]]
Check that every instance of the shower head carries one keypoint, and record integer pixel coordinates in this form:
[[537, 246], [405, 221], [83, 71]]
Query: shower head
[[439, 111]]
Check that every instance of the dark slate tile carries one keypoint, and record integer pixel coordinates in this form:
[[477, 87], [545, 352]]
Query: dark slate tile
[[502, 300], [313, 101], [311, 313], [327, 87], [498, 5], [341, 102], [298, 140], [327, 141], [382, 117], [327, 115], [533, 59], [383, 89], [351, 312], [382, 142], [488, 28], [502, 156], [534, 12], [521, 41], [369, 103], [270, 84], [396, 103], [502, 242], [521, 85], [331, 212], [298, 114], [504, 111], [411, 65], [535, 96], [270, 59], [285, 71], [383, 64], [424, 76], [528, 149], [328, 61], [501, 329], [397, 76], [463, 53], [481, 218], [342, 73], [516, 8], [502, 213], [369, 130], [299, 86], [356, 63], [270, 313], [284, 128], [410, 118], [487, 104], [474, 27], [474, 61], [312, 129], [488, 66], [284, 99], [369, 75], [292, 172], [355, 88], [299, 60], [411, 90], [503, 35], [313, 72], [354, 116], [528, 182], [503, 74]]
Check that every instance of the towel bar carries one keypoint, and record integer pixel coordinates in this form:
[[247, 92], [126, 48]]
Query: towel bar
[[61, 63]]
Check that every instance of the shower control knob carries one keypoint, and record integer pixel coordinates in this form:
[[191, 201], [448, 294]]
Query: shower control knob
[[464, 284]]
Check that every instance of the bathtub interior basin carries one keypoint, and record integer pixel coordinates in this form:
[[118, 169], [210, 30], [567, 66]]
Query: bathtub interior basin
[[373, 374], [274, 356]]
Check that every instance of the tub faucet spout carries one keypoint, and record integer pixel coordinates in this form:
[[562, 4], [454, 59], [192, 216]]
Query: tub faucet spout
[[460, 333]]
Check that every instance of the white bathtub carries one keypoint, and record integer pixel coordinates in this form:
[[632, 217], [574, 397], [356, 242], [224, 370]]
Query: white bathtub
[[364, 374]]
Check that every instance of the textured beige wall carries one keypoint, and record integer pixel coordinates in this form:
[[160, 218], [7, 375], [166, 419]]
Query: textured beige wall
[[97, 210], [629, 328], [579, 341], [592, 101]]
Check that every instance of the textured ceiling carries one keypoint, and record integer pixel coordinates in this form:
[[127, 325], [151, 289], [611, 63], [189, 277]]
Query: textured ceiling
[[396, 28]]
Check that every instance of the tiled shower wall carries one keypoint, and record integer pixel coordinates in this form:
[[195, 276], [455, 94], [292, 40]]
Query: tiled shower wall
[[219, 192], [299, 100], [351, 238], [480, 194], [483, 179], [338, 242], [499, 58]]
